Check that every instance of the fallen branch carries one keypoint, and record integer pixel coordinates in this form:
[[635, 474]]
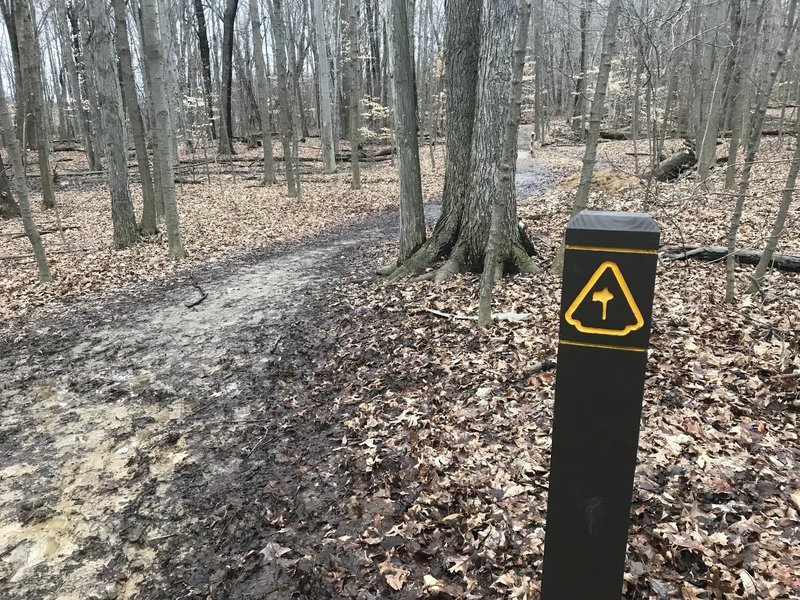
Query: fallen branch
[[203, 293], [780, 260], [49, 252], [542, 365], [787, 375], [14, 236], [495, 316]]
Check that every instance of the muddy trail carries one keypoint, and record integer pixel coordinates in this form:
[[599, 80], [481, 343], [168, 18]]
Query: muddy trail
[[157, 450]]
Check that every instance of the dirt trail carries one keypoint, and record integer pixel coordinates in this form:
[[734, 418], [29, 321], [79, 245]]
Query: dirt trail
[[100, 415], [151, 450]]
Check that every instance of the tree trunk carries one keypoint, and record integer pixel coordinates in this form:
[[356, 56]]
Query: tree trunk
[[8, 207], [296, 69], [538, 76], [101, 44], [737, 94], [82, 91], [462, 27], [503, 224], [598, 111], [295, 125], [36, 116], [473, 187], [707, 144], [20, 188], [284, 109], [765, 261], [205, 62], [412, 214], [752, 149], [7, 8], [161, 132], [128, 83], [326, 110], [226, 123], [353, 75], [579, 107], [263, 94]]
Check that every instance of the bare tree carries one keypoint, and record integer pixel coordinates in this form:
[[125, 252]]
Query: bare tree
[[285, 112], [226, 122], [780, 218], [263, 94], [325, 101], [353, 76], [161, 132], [498, 229], [20, 188], [598, 111], [412, 214], [35, 122], [122, 216], [753, 144], [478, 107], [205, 62], [148, 223]]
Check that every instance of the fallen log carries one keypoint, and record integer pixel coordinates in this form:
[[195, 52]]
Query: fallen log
[[67, 146], [671, 168], [615, 135], [780, 260]]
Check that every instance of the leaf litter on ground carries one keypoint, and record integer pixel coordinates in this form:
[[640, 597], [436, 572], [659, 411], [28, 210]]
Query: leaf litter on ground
[[448, 435]]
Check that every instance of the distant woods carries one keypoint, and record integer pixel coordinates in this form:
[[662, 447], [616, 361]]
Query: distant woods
[[206, 75]]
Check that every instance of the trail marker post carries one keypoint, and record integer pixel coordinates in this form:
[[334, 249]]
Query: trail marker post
[[606, 305]]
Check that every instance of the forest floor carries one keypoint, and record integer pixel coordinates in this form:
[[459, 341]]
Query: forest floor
[[306, 432]]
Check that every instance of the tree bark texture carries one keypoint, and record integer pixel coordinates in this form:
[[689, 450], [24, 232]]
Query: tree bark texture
[[7, 7], [325, 101], [35, 122], [284, 109], [263, 94], [161, 133], [226, 123], [503, 227], [412, 214], [122, 215], [205, 62], [8, 206], [462, 29], [753, 144], [353, 75], [20, 188], [148, 223]]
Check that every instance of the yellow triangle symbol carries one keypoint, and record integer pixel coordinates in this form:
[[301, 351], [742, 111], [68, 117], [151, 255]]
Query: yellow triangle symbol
[[604, 296]]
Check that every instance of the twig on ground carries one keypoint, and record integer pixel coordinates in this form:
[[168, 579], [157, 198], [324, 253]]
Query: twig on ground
[[14, 236], [791, 375], [495, 316], [203, 294], [543, 365]]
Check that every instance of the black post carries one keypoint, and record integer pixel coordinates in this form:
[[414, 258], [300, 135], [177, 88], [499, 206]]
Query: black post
[[606, 304]]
